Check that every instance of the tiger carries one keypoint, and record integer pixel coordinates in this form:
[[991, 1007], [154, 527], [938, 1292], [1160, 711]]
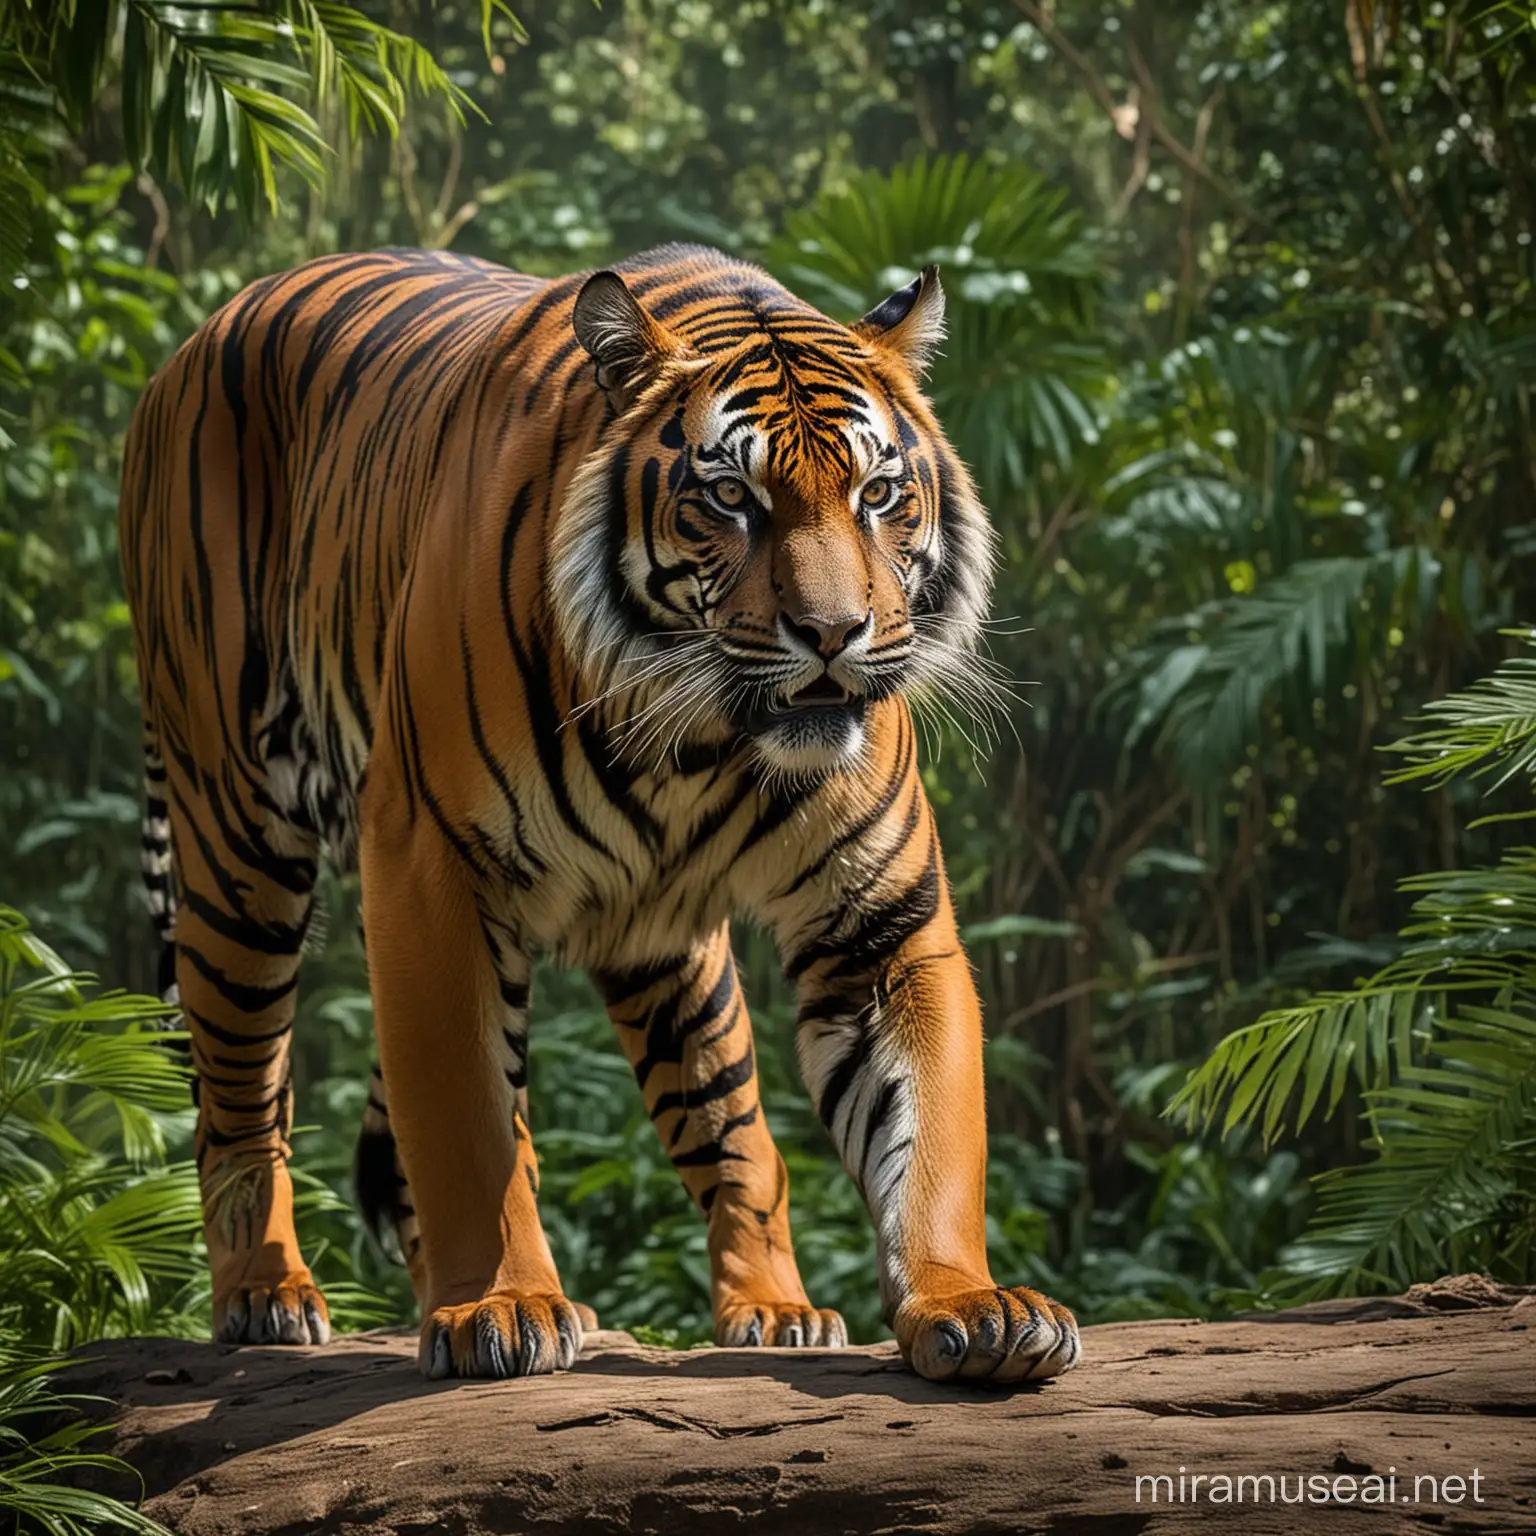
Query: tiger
[[582, 617]]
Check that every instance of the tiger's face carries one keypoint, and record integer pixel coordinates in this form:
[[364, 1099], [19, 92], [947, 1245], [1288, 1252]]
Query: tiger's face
[[773, 534]]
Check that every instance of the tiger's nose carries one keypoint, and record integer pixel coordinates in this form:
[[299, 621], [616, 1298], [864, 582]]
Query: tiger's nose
[[827, 637]]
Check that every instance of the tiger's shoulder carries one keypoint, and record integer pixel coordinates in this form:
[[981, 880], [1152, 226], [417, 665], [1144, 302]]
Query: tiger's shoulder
[[352, 310]]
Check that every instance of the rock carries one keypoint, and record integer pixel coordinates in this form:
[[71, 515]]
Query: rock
[[1437, 1402], [1452, 1293]]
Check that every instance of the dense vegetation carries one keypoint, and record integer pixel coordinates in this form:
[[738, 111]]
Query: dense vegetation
[[1243, 350]]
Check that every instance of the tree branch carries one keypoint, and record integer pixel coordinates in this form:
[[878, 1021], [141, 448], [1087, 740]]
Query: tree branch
[[1036, 15], [1187, 258], [1101, 984], [1141, 163], [1441, 275]]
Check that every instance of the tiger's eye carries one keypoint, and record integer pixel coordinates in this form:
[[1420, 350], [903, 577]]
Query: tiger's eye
[[877, 493], [729, 492]]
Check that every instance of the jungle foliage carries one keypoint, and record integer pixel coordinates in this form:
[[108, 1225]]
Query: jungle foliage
[[1242, 349]]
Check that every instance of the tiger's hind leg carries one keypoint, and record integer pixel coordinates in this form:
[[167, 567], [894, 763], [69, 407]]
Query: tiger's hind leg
[[684, 1026], [243, 904]]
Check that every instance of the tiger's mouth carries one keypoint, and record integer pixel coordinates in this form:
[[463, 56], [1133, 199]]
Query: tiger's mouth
[[825, 698], [824, 693]]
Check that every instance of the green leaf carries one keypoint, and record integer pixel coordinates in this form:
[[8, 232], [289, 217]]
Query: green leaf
[[1016, 926]]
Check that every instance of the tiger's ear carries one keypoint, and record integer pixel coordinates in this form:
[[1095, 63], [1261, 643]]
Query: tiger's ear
[[910, 322], [628, 346]]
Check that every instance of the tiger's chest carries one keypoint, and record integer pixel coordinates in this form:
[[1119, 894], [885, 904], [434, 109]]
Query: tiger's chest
[[646, 877]]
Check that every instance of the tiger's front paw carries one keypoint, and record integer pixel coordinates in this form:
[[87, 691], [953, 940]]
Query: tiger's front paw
[[503, 1334], [788, 1324], [288, 1311], [998, 1335]]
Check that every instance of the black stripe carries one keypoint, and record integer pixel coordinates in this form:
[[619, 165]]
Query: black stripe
[[881, 930], [510, 865], [714, 1152], [533, 667], [619, 986], [877, 1118], [233, 1038], [842, 1078], [271, 938], [666, 1035], [724, 1083], [616, 782], [778, 811], [238, 994], [870, 819]]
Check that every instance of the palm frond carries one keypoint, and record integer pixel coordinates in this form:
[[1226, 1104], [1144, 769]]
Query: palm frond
[[219, 95], [24, 110], [1284, 643], [1441, 1041], [1491, 728], [1292, 1057], [97, 1234], [1474, 933], [41, 1458], [1455, 1166]]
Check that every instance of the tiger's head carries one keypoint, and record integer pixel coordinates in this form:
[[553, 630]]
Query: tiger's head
[[772, 533]]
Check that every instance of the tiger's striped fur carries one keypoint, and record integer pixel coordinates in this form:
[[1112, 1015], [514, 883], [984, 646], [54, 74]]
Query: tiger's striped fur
[[581, 614]]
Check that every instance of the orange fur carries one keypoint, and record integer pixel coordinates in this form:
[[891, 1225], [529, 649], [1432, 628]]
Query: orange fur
[[582, 614]]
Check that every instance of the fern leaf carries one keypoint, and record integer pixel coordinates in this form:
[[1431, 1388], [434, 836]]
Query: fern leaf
[[1442, 1175], [1488, 730], [1287, 639]]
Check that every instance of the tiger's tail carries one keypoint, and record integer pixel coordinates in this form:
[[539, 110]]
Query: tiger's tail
[[378, 1179], [157, 864]]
